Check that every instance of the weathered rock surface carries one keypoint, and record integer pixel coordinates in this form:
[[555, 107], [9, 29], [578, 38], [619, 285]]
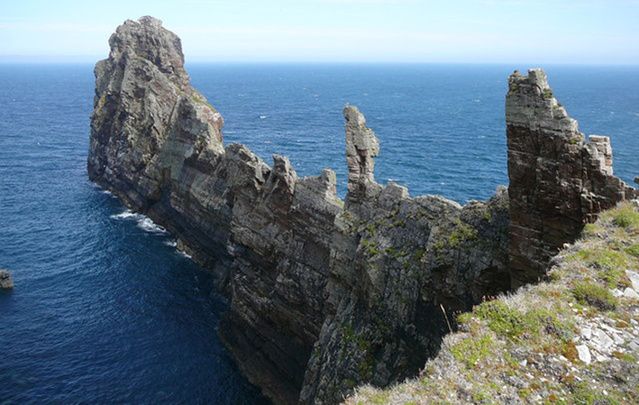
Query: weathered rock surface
[[6, 282], [397, 264], [323, 295], [157, 144], [558, 182]]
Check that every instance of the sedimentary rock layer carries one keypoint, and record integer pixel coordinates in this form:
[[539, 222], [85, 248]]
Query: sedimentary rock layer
[[323, 295], [558, 182]]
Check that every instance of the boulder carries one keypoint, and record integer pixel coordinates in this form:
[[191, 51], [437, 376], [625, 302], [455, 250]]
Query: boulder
[[6, 281]]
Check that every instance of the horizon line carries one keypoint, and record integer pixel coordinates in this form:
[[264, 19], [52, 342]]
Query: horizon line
[[86, 60]]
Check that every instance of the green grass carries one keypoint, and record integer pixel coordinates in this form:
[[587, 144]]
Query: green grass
[[592, 229], [605, 259], [583, 394], [472, 350], [502, 319], [633, 250], [514, 324], [595, 295], [626, 216], [611, 263]]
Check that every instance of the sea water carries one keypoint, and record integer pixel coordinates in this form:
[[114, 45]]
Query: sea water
[[106, 310]]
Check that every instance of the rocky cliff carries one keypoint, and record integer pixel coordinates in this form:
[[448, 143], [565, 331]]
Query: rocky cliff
[[572, 339], [558, 182], [323, 295]]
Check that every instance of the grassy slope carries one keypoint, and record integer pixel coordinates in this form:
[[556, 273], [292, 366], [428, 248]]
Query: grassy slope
[[573, 339]]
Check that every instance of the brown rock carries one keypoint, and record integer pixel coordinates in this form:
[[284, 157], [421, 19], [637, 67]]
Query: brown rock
[[558, 183]]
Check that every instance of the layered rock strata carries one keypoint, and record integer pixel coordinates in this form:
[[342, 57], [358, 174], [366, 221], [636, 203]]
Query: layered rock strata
[[558, 181], [323, 295]]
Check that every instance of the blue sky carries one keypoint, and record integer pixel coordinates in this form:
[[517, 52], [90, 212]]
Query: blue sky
[[460, 31]]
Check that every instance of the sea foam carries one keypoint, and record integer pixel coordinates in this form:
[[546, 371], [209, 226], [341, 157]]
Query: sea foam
[[143, 222]]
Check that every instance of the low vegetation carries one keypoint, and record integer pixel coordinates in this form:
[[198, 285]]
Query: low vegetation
[[573, 339]]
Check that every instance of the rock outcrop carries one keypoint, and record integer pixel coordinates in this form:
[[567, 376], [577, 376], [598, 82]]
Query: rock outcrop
[[399, 266], [323, 295], [572, 339], [558, 182], [6, 282], [157, 144]]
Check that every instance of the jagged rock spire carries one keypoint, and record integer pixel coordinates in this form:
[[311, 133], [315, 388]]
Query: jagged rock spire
[[558, 183], [362, 146]]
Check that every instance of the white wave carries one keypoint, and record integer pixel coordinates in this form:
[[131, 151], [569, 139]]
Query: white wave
[[145, 223], [184, 254], [170, 243], [149, 226], [107, 192], [127, 214], [263, 117]]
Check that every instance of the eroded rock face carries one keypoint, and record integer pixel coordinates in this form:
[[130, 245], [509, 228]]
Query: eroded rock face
[[157, 144], [325, 295], [558, 181]]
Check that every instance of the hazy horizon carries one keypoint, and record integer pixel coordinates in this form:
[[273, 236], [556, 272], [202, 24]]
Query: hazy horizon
[[514, 32]]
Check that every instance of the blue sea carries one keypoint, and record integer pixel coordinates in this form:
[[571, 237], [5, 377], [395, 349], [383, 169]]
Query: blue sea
[[106, 310]]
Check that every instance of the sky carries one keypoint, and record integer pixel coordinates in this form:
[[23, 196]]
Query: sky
[[334, 31]]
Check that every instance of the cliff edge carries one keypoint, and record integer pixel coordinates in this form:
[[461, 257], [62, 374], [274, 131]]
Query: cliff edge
[[573, 339], [324, 294]]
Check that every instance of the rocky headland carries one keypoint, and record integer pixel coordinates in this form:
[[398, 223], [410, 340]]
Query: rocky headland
[[324, 294]]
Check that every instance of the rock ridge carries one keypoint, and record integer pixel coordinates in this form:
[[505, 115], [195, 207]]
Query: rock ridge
[[324, 294]]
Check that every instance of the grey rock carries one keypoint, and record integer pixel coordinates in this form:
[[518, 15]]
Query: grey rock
[[6, 281], [634, 279], [630, 294], [601, 341], [325, 295], [584, 353]]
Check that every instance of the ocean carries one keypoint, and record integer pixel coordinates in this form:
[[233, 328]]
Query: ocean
[[106, 310]]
